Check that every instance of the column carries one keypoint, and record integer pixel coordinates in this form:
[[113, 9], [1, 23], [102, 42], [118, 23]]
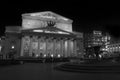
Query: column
[[37, 39], [71, 48], [75, 48], [42, 46], [39, 45], [61, 47], [25, 46], [34, 46], [66, 48], [22, 46], [58, 47], [45, 50], [50, 46], [47, 47], [30, 51], [54, 47]]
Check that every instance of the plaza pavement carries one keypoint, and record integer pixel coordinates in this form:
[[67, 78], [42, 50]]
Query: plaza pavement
[[46, 71]]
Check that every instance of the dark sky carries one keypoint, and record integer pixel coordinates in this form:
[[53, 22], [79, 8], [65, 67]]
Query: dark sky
[[87, 16]]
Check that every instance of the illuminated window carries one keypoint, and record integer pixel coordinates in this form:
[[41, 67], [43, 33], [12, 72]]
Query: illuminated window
[[116, 47], [109, 38], [103, 49], [100, 55]]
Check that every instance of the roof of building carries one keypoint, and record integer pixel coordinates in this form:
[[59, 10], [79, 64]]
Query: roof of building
[[46, 15], [15, 29], [18, 29]]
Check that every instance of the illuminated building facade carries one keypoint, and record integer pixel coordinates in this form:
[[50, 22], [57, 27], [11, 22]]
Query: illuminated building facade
[[93, 39], [97, 38], [113, 49], [44, 34]]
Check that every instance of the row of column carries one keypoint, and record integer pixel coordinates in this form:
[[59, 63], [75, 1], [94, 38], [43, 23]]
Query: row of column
[[43, 46]]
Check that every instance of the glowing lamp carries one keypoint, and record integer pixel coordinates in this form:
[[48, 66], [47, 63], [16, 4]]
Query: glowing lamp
[[13, 47], [51, 55], [44, 55], [0, 48], [37, 55], [58, 55], [100, 56]]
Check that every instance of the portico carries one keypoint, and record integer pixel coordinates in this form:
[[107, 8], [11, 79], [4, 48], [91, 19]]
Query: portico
[[48, 45]]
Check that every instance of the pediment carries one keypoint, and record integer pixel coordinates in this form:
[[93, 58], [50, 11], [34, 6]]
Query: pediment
[[47, 15]]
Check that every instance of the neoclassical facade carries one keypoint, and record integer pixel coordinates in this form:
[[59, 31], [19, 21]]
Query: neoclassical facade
[[44, 34]]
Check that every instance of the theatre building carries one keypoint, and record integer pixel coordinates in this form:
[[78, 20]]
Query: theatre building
[[43, 34]]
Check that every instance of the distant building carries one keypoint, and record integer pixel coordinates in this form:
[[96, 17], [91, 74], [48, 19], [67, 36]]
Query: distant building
[[113, 48], [43, 34], [96, 38], [93, 39]]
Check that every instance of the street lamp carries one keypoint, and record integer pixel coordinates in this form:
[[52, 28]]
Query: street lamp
[[52, 55], [58, 55], [44, 55], [13, 47], [0, 48]]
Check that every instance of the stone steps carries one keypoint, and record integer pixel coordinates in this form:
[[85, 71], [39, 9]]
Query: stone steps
[[88, 68]]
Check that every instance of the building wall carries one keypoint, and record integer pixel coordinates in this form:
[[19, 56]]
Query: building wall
[[32, 23], [64, 26], [80, 47], [96, 39], [12, 42], [2, 47]]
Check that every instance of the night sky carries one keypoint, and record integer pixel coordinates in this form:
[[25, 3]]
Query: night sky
[[87, 16]]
